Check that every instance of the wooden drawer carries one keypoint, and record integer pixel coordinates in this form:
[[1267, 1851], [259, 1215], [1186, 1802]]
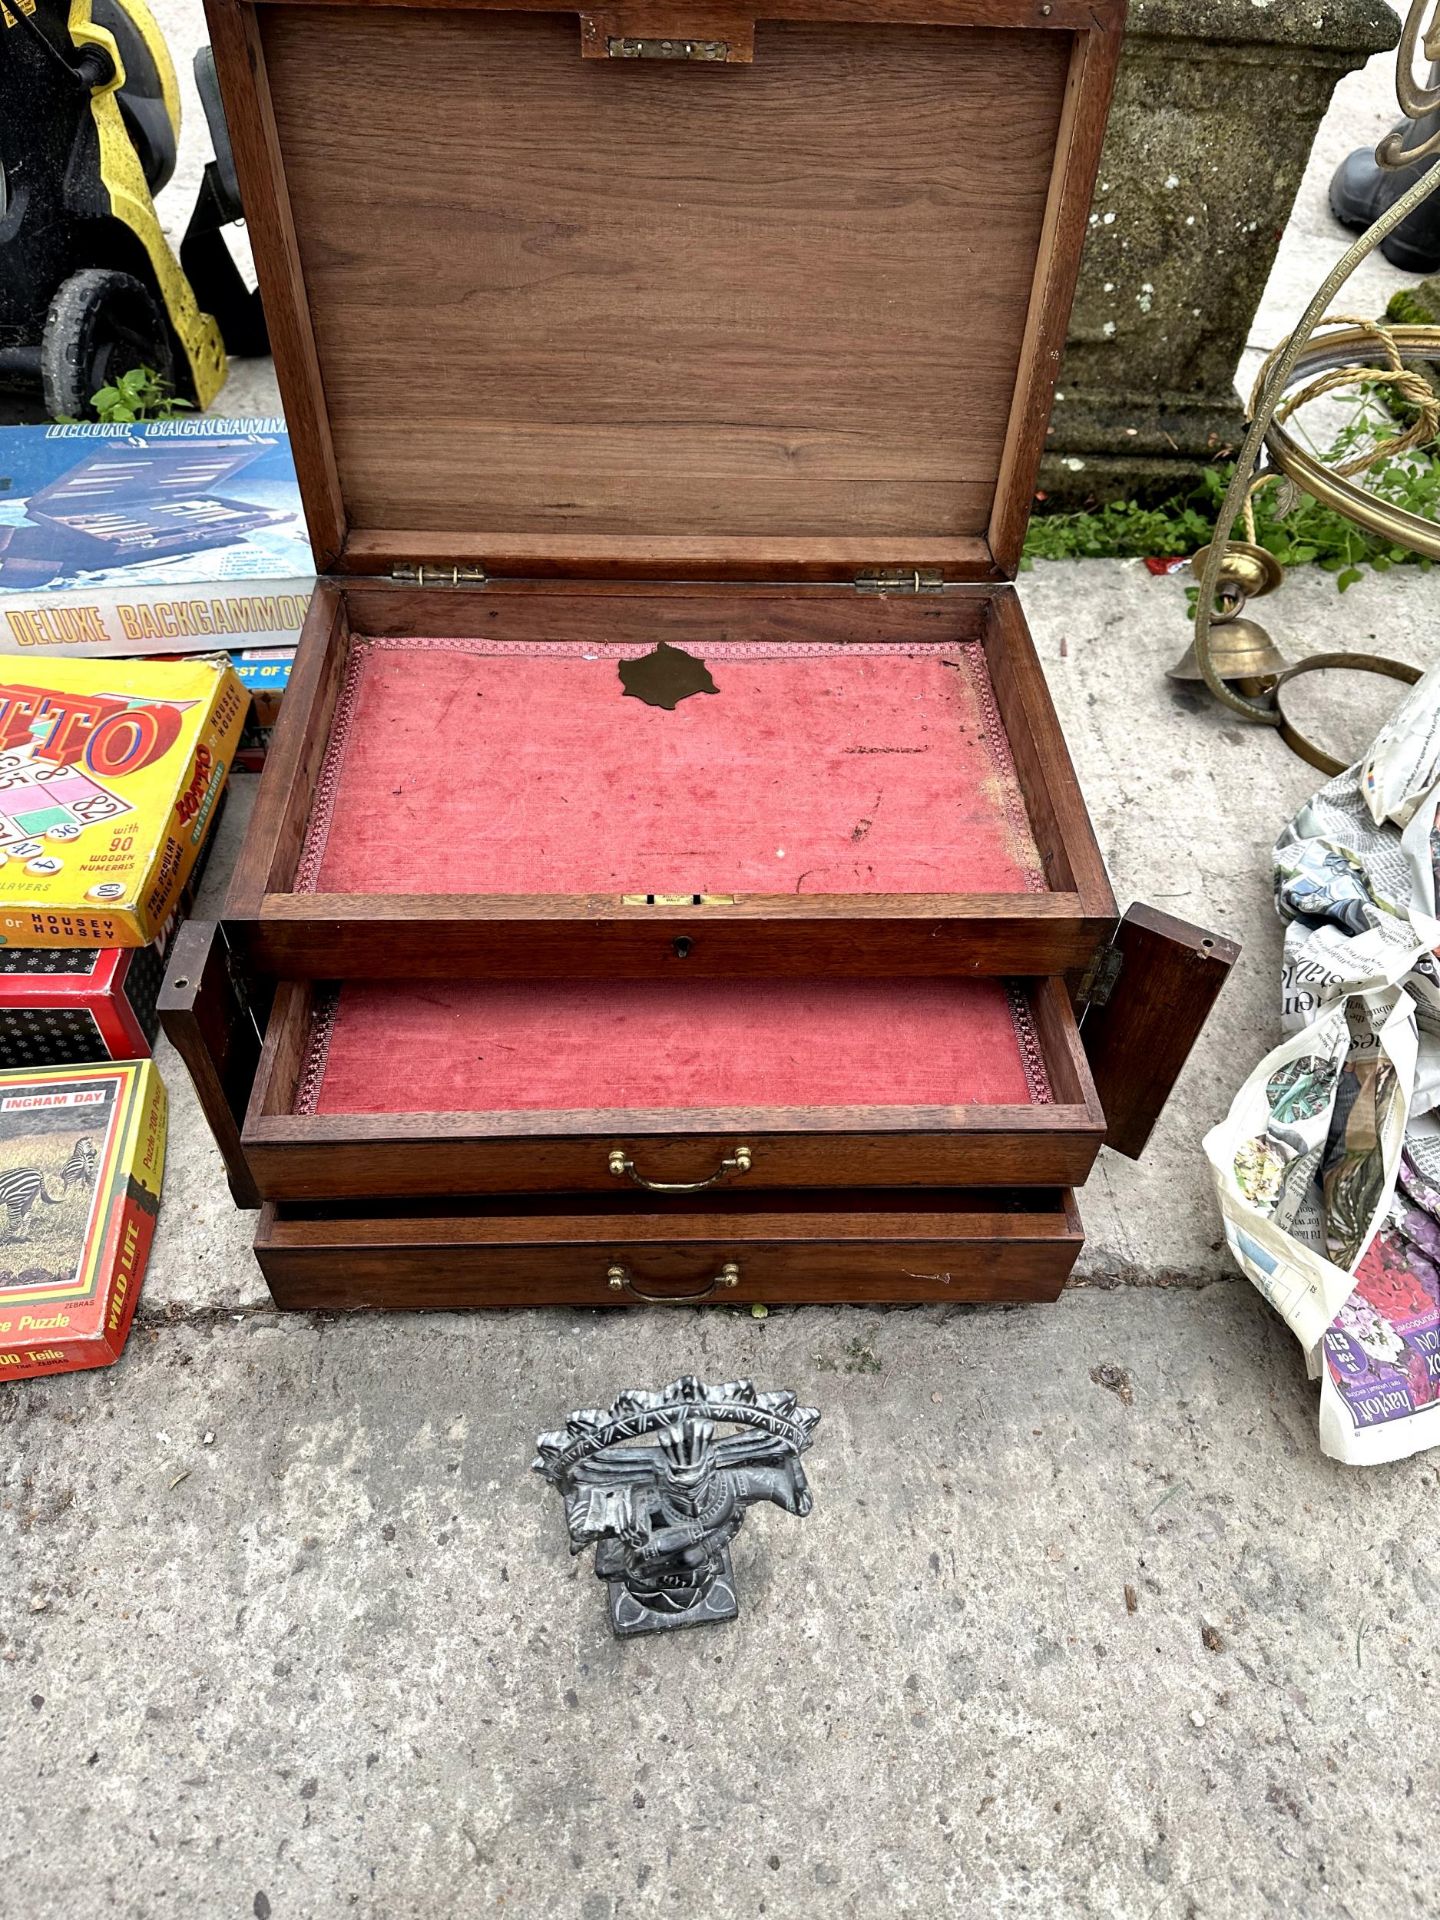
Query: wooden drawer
[[434, 1089], [457, 785], [815, 1248]]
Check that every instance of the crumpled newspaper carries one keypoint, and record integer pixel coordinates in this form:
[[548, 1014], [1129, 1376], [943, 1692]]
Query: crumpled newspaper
[[1327, 1166]]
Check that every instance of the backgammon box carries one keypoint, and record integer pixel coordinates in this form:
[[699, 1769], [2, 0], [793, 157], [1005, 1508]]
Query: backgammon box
[[668, 879], [156, 536], [60, 1005]]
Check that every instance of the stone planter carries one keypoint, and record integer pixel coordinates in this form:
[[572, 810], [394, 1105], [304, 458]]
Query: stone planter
[[1216, 109]]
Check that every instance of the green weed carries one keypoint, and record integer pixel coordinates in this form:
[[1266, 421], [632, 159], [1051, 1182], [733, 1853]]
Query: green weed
[[1307, 534]]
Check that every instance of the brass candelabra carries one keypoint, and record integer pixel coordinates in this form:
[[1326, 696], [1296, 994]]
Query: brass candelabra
[[1232, 653]]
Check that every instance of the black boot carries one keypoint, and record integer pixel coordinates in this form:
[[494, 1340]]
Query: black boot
[[1361, 191]]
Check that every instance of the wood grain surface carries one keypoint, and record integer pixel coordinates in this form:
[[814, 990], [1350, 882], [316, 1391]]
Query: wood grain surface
[[347, 1157], [952, 1249], [270, 228], [1170, 975], [563, 297], [206, 1018], [328, 936], [1053, 15], [549, 937], [275, 831]]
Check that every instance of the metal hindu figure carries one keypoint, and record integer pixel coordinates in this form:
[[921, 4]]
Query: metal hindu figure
[[662, 1513]]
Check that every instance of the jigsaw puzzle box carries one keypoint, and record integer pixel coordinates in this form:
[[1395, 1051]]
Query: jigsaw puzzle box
[[82, 1154], [163, 536], [264, 673], [110, 775]]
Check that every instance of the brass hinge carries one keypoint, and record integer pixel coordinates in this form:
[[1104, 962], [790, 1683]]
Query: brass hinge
[[900, 580], [626, 47], [440, 576], [1097, 983]]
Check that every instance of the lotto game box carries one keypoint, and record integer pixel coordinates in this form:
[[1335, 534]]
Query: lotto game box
[[60, 1005], [110, 774], [82, 1154], [162, 536]]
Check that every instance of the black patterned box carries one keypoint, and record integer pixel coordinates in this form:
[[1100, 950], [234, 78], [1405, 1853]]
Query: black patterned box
[[70, 1004]]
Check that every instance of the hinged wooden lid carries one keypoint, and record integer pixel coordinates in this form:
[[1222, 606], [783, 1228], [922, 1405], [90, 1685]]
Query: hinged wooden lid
[[662, 292]]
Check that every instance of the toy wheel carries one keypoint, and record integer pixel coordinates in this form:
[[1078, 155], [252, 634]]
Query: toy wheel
[[100, 324]]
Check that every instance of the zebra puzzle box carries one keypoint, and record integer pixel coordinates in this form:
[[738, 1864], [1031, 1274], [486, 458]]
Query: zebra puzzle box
[[82, 1153]]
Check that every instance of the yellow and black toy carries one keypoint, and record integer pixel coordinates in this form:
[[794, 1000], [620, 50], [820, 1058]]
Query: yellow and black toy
[[89, 288]]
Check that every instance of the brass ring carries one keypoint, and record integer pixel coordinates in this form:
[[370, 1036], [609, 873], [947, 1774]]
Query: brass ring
[[1247, 571], [1318, 662], [1398, 525], [619, 1281], [623, 1168]]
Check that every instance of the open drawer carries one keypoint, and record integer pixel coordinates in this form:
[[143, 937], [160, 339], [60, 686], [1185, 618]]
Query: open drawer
[[461, 783], [434, 1088], [411, 1089], [624, 1250]]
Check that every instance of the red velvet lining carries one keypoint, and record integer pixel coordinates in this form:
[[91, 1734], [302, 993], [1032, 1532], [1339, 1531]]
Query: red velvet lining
[[458, 1047], [482, 767]]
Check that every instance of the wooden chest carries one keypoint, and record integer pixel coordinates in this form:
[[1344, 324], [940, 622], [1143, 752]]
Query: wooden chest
[[668, 878]]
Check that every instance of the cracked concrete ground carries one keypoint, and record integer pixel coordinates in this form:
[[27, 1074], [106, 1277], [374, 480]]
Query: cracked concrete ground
[[1082, 1622], [1048, 1644]]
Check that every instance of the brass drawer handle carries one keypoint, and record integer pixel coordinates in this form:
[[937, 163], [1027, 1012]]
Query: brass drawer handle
[[623, 1168], [620, 1282]]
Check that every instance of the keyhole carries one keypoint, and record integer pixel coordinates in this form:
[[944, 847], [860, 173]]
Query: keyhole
[[682, 947]]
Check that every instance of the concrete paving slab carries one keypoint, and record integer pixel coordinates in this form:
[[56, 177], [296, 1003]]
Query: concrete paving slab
[[289, 1630]]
